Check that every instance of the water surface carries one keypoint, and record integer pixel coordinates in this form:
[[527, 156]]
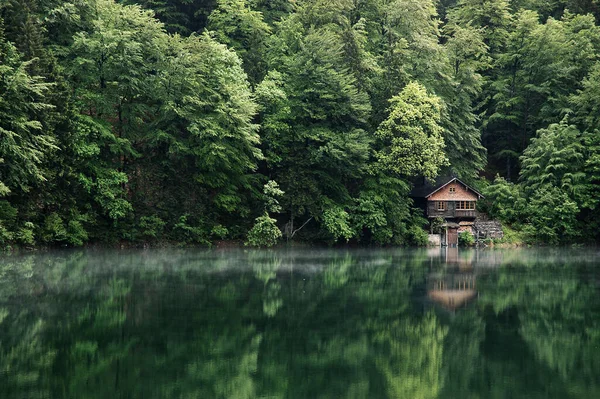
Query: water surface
[[300, 324]]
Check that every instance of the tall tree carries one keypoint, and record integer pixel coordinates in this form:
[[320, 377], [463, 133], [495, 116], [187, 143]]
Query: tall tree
[[468, 58], [405, 38], [319, 145], [25, 141], [493, 16], [553, 180], [410, 139], [179, 16], [586, 107], [507, 120], [204, 135], [244, 30], [25, 28], [542, 66]]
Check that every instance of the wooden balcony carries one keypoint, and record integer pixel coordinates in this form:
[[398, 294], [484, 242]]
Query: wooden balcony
[[450, 212], [463, 213]]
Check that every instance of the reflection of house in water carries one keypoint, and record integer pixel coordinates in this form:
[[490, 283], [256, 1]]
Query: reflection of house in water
[[455, 285], [452, 291]]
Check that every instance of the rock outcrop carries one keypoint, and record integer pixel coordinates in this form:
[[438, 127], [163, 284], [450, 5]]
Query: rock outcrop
[[487, 229]]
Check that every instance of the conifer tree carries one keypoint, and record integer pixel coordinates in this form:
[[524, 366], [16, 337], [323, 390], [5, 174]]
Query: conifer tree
[[25, 142], [244, 30]]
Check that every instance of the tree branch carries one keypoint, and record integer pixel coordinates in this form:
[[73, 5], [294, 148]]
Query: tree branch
[[300, 228]]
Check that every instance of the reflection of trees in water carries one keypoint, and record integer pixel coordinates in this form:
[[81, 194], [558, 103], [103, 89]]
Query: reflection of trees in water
[[24, 361], [347, 331], [40, 313], [531, 333], [265, 266], [283, 324], [413, 357]]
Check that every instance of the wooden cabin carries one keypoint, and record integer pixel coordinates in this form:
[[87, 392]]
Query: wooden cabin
[[452, 200]]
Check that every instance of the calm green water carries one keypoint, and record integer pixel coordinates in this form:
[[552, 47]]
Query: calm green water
[[300, 324]]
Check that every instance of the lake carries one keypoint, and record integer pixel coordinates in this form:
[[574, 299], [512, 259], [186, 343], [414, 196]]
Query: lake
[[300, 324]]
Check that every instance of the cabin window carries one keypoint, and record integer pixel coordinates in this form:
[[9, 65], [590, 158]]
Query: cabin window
[[465, 205], [452, 190], [440, 206]]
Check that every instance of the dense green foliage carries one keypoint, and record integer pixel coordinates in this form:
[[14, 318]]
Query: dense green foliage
[[466, 239], [156, 120]]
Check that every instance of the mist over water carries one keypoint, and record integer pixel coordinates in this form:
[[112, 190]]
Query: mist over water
[[431, 323]]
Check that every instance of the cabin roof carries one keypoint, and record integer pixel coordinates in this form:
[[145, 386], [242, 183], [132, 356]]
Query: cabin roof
[[428, 189]]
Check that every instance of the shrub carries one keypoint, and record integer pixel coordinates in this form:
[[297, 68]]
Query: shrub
[[336, 221], [7, 212], [436, 225], [152, 226], [5, 236], [417, 236], [264, 233], [513, 237], [54, 229], [466, 239], [219, 231], [186, 233], [504, 201], [553, 216], [76, 233], [25, 234]]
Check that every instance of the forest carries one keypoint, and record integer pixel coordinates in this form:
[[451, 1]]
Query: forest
[[261, 121]]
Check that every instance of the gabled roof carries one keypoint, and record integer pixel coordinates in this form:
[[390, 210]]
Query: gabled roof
[[428, 189]]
